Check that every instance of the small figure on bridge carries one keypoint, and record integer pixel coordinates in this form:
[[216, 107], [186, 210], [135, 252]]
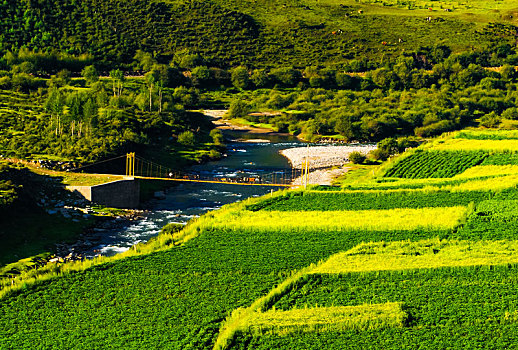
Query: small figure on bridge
[[170, 174]]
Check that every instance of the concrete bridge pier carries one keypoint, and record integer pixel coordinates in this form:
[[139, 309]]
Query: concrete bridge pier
[[116, 194]]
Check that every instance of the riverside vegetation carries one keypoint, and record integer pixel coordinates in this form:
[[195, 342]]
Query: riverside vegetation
[[264, 273]]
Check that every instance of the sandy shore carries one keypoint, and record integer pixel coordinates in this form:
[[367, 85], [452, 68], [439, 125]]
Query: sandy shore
[[323, 158], [320, 177]]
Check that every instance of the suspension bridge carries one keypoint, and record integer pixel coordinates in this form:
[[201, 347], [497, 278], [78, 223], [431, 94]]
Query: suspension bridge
[[140, 168]]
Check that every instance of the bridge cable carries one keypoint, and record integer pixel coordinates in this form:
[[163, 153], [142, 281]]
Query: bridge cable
[[96, 163]]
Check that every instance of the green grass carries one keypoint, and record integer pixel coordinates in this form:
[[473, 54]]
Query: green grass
[[266, 33]]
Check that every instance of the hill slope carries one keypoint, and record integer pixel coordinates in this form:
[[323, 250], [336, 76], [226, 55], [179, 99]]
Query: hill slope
[[300, 33]]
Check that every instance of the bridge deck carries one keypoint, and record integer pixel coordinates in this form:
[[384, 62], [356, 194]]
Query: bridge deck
[[212, 181]]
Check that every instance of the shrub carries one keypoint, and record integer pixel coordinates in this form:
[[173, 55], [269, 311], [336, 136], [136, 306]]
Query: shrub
[[238, 109], [357, 157], [490, 120], [217, 136], [186, 138], [240, 77]]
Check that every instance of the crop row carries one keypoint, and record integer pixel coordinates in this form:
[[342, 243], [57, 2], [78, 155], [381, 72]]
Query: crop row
[[365, 200], [434, 164], [502, 158]]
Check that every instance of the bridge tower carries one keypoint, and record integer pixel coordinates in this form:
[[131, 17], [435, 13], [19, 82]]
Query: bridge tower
[[130, 164]]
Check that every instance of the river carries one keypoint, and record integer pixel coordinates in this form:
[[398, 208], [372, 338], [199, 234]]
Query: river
[[248, 154]]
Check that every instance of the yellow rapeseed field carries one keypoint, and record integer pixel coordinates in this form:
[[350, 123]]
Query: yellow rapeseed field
[[472, 145], [488, 170], [426, 254], [372, 220], [321, 319]]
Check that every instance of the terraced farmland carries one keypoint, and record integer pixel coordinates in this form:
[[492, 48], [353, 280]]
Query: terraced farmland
[[408, 263]]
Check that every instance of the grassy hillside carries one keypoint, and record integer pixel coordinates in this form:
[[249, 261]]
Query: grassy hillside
[[396, 260], [260, 33]]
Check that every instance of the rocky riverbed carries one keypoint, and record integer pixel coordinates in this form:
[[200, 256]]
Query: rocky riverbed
[[324, 162]]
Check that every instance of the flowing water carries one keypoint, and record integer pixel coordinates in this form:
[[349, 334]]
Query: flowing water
[[252, 155]]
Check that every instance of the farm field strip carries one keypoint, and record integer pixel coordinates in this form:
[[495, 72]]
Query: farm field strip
[[369, 200], [447, 308], [486, 135], [427, 254], [378, 257], [473, 145], [373, 220], [325, 319], [434, 164], [480, 171]]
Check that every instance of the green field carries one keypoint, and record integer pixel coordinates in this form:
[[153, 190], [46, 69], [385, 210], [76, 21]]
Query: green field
[[409, 264]]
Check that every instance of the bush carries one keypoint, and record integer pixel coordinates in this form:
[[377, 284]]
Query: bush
[[389, 146], [357, 157], [186, 138], [240, 77], [238, 109], [434, 128], [490, 120], [217, 136], [213, 154], [379, 154]]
